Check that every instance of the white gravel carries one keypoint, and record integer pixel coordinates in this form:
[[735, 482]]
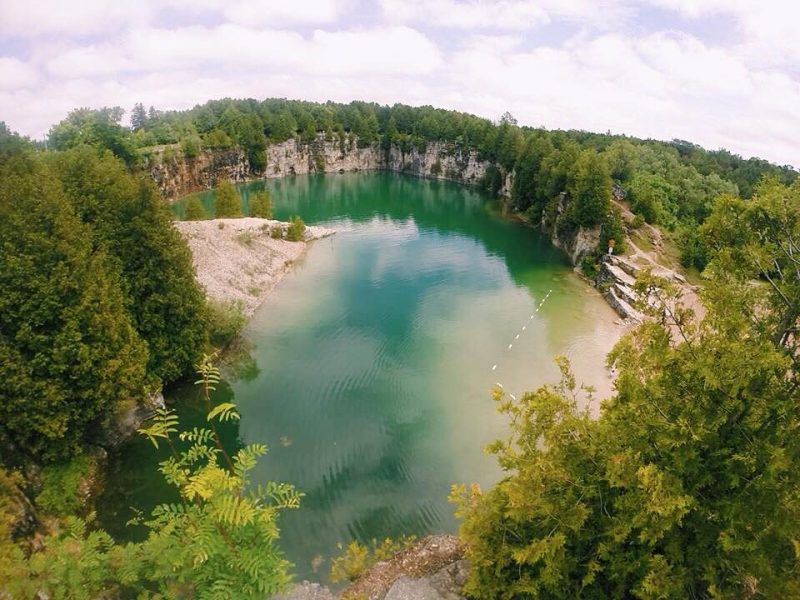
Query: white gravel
[[236, 259]]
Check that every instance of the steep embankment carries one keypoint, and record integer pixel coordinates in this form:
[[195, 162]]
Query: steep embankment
[[239, 259], [177, 175]]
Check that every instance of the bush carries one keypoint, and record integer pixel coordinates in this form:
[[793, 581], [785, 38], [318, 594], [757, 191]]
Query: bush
[[637, 222], [194, 210], [225, 321], [245, 237], [296, 230], [276, 233], [228, 202], [60, 483], [190, 146], [261, 205], [589, 266]]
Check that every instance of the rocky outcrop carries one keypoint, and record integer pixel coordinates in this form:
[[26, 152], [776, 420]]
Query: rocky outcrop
[[293, 157], [427, 565], [177, 175], [306, 591], [576, 244], [616, 283], [444, 584], [129, 418]]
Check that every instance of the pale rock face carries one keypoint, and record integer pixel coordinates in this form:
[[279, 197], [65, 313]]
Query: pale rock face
[[176, 175]]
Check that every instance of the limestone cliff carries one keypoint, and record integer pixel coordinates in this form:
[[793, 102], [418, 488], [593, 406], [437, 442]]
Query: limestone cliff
[[177, 175]]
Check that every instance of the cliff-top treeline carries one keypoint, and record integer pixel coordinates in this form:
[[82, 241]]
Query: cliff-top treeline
[[673, 184]]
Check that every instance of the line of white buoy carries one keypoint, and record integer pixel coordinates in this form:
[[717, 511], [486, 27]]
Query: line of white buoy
[[516, 337]]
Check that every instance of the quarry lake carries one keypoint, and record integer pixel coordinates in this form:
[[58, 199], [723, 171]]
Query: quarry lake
[[368, 370]]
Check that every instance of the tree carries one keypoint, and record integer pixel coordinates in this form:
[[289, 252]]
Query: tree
[[129, 218], [69, 352], [194, 210], [97, 128], [228, 203], [652, 197], [261, 205], [296, 230], [589, 185], [138, 116]]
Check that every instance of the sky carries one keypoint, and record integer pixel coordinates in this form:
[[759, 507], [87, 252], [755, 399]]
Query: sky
[[720, 73]]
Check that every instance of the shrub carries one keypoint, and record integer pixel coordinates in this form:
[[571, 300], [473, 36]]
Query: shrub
[[225, 321], [296, 230], [194, 210], [228, 202], [60, 483], [261, 205]]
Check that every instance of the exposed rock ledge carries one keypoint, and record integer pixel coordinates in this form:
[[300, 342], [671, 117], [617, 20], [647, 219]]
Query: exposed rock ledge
[[237, 259], [432, 569]]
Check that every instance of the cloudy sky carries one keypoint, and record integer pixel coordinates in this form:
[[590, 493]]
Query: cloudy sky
[[722, 73]]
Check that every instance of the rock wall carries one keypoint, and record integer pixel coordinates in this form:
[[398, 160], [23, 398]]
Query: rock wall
[[578, 243], [176, 175]]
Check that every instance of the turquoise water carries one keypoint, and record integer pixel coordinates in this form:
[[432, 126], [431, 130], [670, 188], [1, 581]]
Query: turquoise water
[[371, 363]]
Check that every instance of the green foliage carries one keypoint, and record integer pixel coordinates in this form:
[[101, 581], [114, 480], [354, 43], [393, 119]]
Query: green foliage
[[218, 139], [194, 210], [653, 198], [589, 185], [60, 486], [589, 266], [612, 228], [225, 322], [219, 541], [296, 230], [228, 202], [190, 146], [261, 205], [686, 484], [99, 129], [69, 351], [356, 558], [127, 216]]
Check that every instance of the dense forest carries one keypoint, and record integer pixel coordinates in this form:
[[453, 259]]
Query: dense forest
[[685, 486]]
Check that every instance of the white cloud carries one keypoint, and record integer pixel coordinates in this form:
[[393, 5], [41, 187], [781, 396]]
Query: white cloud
[[36, 17], [15, 74], [233, 48], [271, 13], [768, 28], [512, 15]]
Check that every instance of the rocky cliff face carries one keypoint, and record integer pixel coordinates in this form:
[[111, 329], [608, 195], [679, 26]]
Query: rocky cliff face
[[579, 243], [177, 175]]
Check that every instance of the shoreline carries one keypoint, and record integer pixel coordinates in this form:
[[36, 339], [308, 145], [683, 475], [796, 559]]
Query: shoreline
[[237, 260]]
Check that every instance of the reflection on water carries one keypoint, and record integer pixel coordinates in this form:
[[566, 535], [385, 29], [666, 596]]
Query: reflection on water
[[371, 363]]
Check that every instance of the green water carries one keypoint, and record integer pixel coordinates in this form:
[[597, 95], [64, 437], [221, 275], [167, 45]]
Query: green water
[[373, 360]]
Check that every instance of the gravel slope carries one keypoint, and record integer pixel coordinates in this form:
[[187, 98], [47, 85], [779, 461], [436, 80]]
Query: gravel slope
[[237, 259]]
